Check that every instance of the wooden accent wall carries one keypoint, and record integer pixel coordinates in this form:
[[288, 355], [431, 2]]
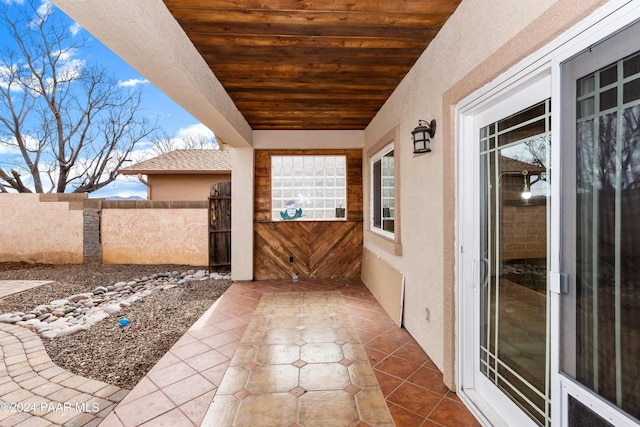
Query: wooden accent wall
[[320, 249]]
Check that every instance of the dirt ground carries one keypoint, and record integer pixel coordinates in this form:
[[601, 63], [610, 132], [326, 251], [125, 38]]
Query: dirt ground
[[108, 352]]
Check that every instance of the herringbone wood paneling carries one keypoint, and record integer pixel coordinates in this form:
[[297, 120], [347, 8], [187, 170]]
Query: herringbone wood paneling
[[320, 249]]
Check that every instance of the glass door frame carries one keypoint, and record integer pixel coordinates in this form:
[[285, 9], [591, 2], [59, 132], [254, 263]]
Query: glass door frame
[[496, 100]]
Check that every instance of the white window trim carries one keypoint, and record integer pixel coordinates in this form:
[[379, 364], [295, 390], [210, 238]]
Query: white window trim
[[378, 156]]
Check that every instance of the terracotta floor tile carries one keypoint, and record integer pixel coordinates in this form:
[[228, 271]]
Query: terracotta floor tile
[[274, 409], [382, 344], [414, 398], [244, 354], [218, 340], [354, 352], [196, 408], [319, 334], [174, 417], [229, 349], [321, 408], [144, 409], [387, 383], [397, 367], [240, 330], [215, 374], [429, 379], [204, 332], [411, 351], [277, 354], [398, 335], [171, 374], [206, 360], [187, 389], [324, 376], [452, 413], [234, 380], [222, 411], [374, 356], [362, 375], [281, 336], [273, 378], [324, 352], [167, 360], [190, 350], [365, 336], [371, 412], [143, 388], [404, 418]]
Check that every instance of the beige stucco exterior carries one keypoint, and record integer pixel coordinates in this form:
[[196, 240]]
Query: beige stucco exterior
[[182, 187], [44, 232], [480, 42], [470, 51], [155, 236]]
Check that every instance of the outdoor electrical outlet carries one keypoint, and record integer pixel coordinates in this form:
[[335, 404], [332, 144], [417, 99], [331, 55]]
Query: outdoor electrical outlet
[[290, 259], [427, 315]]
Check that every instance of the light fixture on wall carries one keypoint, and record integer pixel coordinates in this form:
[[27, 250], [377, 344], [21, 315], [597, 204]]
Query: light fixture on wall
[[422, 136], [526, 191]]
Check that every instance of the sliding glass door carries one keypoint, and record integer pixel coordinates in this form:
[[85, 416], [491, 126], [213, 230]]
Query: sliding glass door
[[601, 222], [514, 186]]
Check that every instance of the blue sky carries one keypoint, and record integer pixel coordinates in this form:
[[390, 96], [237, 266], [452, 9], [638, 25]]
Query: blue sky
[[172, 118]]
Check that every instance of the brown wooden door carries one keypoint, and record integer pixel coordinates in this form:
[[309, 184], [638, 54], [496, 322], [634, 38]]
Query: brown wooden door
[[220, 227]]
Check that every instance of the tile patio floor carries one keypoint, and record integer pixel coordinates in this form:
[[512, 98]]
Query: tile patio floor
[[237, 354]]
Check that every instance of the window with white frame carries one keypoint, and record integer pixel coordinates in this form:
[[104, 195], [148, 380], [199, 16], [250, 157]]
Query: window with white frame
[[308, 187], [383, 200]]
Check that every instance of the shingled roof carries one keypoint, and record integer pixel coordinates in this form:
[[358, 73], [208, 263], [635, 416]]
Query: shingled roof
[[184, 162]]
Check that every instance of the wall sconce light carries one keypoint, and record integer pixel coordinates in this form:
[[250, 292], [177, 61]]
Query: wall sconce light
[[422, 136], [526, 191]]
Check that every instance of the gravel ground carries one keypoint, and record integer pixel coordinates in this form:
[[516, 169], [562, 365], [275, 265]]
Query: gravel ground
[[108, 352]]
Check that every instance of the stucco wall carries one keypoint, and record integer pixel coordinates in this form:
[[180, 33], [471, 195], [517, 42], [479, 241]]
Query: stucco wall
[[44, 232], [183, 187], [470, 51], [155, 236]]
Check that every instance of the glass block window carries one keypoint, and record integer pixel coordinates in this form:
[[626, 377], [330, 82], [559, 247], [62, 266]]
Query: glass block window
[[308, 187]]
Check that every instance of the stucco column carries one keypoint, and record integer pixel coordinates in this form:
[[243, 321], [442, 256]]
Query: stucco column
[[242, 175]]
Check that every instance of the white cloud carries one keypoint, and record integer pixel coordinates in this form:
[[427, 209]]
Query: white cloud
[[132, 82], [75, 28], [8, 149], [42, 13], [197, 130]]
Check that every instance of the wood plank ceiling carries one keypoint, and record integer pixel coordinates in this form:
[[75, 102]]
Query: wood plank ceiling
[[310, 64]]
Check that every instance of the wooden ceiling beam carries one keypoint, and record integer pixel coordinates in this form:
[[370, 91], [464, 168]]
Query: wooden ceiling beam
[[305, 30], [278, 18], [380, 6], [213, 40]]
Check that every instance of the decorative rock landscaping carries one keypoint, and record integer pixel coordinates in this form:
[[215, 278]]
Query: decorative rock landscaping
[[78, 312]]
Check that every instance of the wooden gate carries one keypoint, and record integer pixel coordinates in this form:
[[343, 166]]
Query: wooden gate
[[220, 227]]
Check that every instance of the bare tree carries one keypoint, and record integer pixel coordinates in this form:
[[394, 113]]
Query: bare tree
[[164, 143], [69, 125]]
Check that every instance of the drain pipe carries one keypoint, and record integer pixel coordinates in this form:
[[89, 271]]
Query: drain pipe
[[144, 181]]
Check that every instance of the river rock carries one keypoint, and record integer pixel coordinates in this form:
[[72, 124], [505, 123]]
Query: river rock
[[9, 318], [79, 297], [58, 303]]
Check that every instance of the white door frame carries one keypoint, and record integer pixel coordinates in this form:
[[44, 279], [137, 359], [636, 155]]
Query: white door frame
[[544, 64]]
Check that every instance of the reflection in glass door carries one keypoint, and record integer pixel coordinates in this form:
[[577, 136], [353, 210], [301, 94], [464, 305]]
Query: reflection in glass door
[[601, 252], [514, 309]]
